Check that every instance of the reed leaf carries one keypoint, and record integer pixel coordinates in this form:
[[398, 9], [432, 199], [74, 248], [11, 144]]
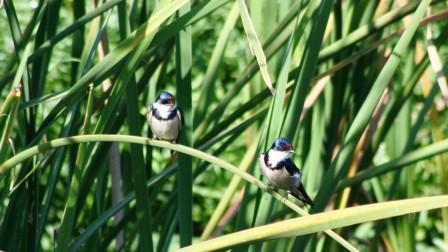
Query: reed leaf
[[318, 222]]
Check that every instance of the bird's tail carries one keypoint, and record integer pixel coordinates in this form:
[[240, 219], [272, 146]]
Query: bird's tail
[[301, 195]]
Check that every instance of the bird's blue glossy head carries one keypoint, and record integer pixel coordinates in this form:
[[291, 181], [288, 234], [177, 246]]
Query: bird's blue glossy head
[[165, 98], [282, 144]]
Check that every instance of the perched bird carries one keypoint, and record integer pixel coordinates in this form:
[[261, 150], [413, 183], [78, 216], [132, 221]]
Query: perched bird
[[277, 165], [165, 118]]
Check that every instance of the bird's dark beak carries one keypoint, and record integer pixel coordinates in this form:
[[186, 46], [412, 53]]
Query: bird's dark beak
[[290, 148]]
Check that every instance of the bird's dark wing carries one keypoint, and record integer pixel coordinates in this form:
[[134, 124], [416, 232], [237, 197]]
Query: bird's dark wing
[[300, 193], [291, 167], [303, 196], [181, 117]]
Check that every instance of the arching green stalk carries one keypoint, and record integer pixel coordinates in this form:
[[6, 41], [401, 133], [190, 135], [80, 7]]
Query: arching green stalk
[[42, 148]]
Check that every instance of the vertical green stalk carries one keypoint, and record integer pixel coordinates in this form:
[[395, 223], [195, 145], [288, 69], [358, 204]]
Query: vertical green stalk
[[441, 160], [340, 164], [69, 218], [273, 43], [86, 125], [184, 90], [272, 130], [8, 113], [363, 116], [249, 210], [207, 86], [402, 130], [54, 174], [138, 168], [229, 193], [313, 163], [78, 40], [125, 85], [254, 44], [126, 79], [19, 201], [308, 64], [395, 146], [437, 131], [19, 50]]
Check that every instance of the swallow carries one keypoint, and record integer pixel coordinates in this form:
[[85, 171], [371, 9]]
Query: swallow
[[276, 164], [165, 118]]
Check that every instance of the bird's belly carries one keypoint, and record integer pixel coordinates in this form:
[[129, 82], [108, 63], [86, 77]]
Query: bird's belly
[[165, 130], [279, 178], [282, 179]]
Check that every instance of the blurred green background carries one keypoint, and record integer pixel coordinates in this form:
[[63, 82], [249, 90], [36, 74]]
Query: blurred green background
[[360, 90]]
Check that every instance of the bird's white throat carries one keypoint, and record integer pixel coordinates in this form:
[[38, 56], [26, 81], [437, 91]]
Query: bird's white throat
[[163, 109], [275, 156]]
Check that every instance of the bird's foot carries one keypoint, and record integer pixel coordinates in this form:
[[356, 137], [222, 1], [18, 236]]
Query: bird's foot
[[271, 189], [283, 198], [284, 195]]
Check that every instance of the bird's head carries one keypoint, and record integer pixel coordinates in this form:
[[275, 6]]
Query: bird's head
[[165, 98], [282, 144]]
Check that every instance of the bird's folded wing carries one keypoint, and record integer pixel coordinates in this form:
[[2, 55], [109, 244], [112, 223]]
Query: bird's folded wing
[[291, 167], [181, 118]]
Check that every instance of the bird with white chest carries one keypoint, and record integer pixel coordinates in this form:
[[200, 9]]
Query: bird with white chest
[[276, 164], [165, 118]]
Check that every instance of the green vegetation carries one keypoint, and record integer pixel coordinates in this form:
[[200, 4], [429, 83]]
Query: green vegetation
[[359, 87]]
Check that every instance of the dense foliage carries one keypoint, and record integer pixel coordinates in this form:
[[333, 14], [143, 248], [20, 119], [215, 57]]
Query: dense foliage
[[359, 87]]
